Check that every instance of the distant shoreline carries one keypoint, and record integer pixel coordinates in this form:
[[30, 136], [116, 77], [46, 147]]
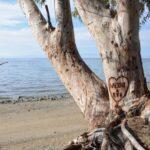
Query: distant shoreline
[[20, 99], [27, 80]]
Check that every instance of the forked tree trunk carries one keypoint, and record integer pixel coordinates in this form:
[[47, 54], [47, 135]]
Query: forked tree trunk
[[117, 36], [89, 92]]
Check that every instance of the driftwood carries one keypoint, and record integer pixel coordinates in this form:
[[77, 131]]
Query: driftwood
[[130, 137], [98, 141], [3, 63], [115, 136], [87, 140]]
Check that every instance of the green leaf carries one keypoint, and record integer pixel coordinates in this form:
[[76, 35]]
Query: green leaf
[[42, 2]]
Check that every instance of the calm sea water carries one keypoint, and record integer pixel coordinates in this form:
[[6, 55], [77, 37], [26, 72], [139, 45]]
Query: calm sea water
[[37, 78]]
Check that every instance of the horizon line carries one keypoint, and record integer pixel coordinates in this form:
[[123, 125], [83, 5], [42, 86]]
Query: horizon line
[[47, 58]]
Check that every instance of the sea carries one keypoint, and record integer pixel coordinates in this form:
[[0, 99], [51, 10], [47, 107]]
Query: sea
[[36, 79]]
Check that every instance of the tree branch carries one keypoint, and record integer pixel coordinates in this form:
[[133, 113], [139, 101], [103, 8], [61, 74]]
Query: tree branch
[[96, 7], [96, 17], [130, 137], [63, 13], [64, 20], [128, 17], [36, 20], [89, 92], [48, 17]]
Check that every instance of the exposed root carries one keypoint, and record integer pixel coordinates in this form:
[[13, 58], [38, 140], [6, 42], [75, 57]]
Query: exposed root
[[138, 106], [88, 141], [129, 136], [73, 147], [105, 144], [114, 137], [128, 146]]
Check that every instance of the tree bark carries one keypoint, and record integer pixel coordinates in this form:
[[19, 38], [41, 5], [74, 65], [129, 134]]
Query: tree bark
[[89, 92], [117, 39], [117, 36]]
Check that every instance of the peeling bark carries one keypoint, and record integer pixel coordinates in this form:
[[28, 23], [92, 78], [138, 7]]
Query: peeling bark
[[117, 39], [89, 92]]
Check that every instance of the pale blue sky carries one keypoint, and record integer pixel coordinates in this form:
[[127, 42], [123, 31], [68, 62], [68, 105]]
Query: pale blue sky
[[16, 39]]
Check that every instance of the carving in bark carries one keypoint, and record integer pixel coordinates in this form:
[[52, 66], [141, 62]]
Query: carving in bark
[[117, 38], [118, 88]]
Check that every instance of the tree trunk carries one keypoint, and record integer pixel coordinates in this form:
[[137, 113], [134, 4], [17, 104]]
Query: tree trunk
[[89, 92], [117, 37]]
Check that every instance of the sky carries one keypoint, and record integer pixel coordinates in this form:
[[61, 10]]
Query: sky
[[17, 41]]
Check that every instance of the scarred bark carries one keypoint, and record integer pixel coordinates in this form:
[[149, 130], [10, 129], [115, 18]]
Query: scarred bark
[[89, 92], [117, 38]]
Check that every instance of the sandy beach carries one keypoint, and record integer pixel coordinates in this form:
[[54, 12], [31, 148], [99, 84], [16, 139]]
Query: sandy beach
[[39, 125]]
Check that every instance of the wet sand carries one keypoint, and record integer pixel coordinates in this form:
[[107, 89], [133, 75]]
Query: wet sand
[[40, 125]]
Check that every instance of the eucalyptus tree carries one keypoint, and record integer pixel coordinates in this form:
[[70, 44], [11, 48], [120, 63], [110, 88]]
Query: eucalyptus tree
[[114, 26]]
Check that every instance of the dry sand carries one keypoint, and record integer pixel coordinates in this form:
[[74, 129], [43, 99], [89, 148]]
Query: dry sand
[[40, 125]]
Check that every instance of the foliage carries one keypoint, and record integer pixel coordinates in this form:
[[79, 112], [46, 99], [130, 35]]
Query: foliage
[[40, 1], [144, 9]]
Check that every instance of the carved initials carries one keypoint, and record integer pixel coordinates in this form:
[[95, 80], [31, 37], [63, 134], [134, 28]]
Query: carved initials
[[118, 87]]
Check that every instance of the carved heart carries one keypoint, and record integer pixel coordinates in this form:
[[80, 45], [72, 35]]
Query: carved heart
[[118, 87]]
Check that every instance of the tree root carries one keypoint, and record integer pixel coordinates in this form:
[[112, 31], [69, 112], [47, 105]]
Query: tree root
[[88, 141], [130, 136], [114, 137]]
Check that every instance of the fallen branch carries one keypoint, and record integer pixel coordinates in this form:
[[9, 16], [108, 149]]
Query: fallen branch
[[111, 137], [3, 63], [87, 140], [130, 137]]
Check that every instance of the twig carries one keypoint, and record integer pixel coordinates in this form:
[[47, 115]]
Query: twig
[[48, 16], [130, 136]]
